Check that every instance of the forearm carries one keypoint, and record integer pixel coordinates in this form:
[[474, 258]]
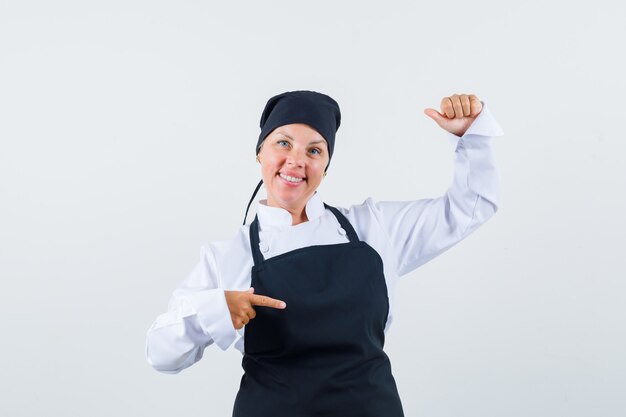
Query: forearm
[[475, 190], [197, 316], [172, 347]]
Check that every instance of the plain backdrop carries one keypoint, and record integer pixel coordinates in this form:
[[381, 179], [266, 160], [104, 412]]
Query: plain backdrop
[[127, 134]]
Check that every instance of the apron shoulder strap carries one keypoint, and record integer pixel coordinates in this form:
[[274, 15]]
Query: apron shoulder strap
[[256, 190], [254, 242], [343, 221]]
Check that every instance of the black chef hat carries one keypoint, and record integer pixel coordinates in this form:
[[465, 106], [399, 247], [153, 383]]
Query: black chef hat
[[317, 110]]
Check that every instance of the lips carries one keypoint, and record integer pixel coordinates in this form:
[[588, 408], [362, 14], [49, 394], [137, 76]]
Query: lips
[[292, 174], [289, 179]]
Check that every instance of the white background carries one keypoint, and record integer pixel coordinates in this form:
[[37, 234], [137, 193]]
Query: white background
[[127, 135]]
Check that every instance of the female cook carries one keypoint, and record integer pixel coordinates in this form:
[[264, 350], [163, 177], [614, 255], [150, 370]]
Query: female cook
[[312, 284]]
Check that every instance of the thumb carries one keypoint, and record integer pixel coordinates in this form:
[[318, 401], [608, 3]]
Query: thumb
[[435, 115]]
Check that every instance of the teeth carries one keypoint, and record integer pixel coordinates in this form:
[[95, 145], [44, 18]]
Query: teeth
[[290, 179]]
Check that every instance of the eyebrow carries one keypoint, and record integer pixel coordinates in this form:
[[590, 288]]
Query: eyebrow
[[310, 143]]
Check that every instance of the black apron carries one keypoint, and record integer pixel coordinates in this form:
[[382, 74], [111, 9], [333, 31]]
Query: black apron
[[323, 354]]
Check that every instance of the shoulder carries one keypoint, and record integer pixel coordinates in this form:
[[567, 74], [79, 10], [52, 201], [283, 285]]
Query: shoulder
[[363, 213], [365, 218], [229, 257], [236, 245]]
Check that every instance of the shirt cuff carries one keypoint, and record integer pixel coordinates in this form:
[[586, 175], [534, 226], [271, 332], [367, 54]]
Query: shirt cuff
[[484, 125], [213, 315]]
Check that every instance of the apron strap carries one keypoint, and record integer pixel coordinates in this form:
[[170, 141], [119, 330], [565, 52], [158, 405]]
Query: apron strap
[[354, 238], [254, 242], [245, 216]]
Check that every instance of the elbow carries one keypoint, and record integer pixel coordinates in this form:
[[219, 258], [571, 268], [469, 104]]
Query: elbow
[[164, 368], [485, 210], [162, 363], [491, 209], [167, 358]]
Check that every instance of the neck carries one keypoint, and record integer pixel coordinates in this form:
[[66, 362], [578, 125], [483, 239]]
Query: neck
[[298, 215], [298, 218]]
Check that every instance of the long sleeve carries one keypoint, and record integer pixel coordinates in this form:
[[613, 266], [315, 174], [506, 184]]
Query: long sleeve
[[422, 229], [197, 317]]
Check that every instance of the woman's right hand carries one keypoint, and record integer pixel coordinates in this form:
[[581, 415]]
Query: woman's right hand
[[240, 305]]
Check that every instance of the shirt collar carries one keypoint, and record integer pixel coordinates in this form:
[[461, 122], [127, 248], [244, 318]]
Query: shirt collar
[[277, 216]]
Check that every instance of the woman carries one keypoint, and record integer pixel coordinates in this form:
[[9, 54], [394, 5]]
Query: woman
[[311, 285]]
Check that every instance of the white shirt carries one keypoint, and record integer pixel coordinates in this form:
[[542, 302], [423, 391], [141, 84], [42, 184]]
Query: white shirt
[[406, 234]]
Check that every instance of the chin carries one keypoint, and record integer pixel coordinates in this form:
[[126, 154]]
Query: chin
[[290, 200]]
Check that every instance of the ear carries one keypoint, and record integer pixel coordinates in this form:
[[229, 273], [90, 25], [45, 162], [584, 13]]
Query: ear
[[263, 141]]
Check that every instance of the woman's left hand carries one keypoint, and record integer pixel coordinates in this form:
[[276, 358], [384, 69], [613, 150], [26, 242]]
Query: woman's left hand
[[457, 113]]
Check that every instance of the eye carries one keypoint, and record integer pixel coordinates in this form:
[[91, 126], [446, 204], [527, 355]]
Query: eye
[[316, 150], [282, 141]]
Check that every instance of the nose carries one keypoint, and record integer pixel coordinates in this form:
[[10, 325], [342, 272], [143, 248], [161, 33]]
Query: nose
[[295, 158]]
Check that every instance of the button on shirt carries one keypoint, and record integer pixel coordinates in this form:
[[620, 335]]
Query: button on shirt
[[406, 234]]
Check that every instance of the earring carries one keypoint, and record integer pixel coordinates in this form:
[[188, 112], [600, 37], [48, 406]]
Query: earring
[[324, 174], [257, 159]]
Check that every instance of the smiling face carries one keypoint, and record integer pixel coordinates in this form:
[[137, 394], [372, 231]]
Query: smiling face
[[293, 158]]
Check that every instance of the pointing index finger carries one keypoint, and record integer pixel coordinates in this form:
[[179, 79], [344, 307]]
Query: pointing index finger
[[265, 301]]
